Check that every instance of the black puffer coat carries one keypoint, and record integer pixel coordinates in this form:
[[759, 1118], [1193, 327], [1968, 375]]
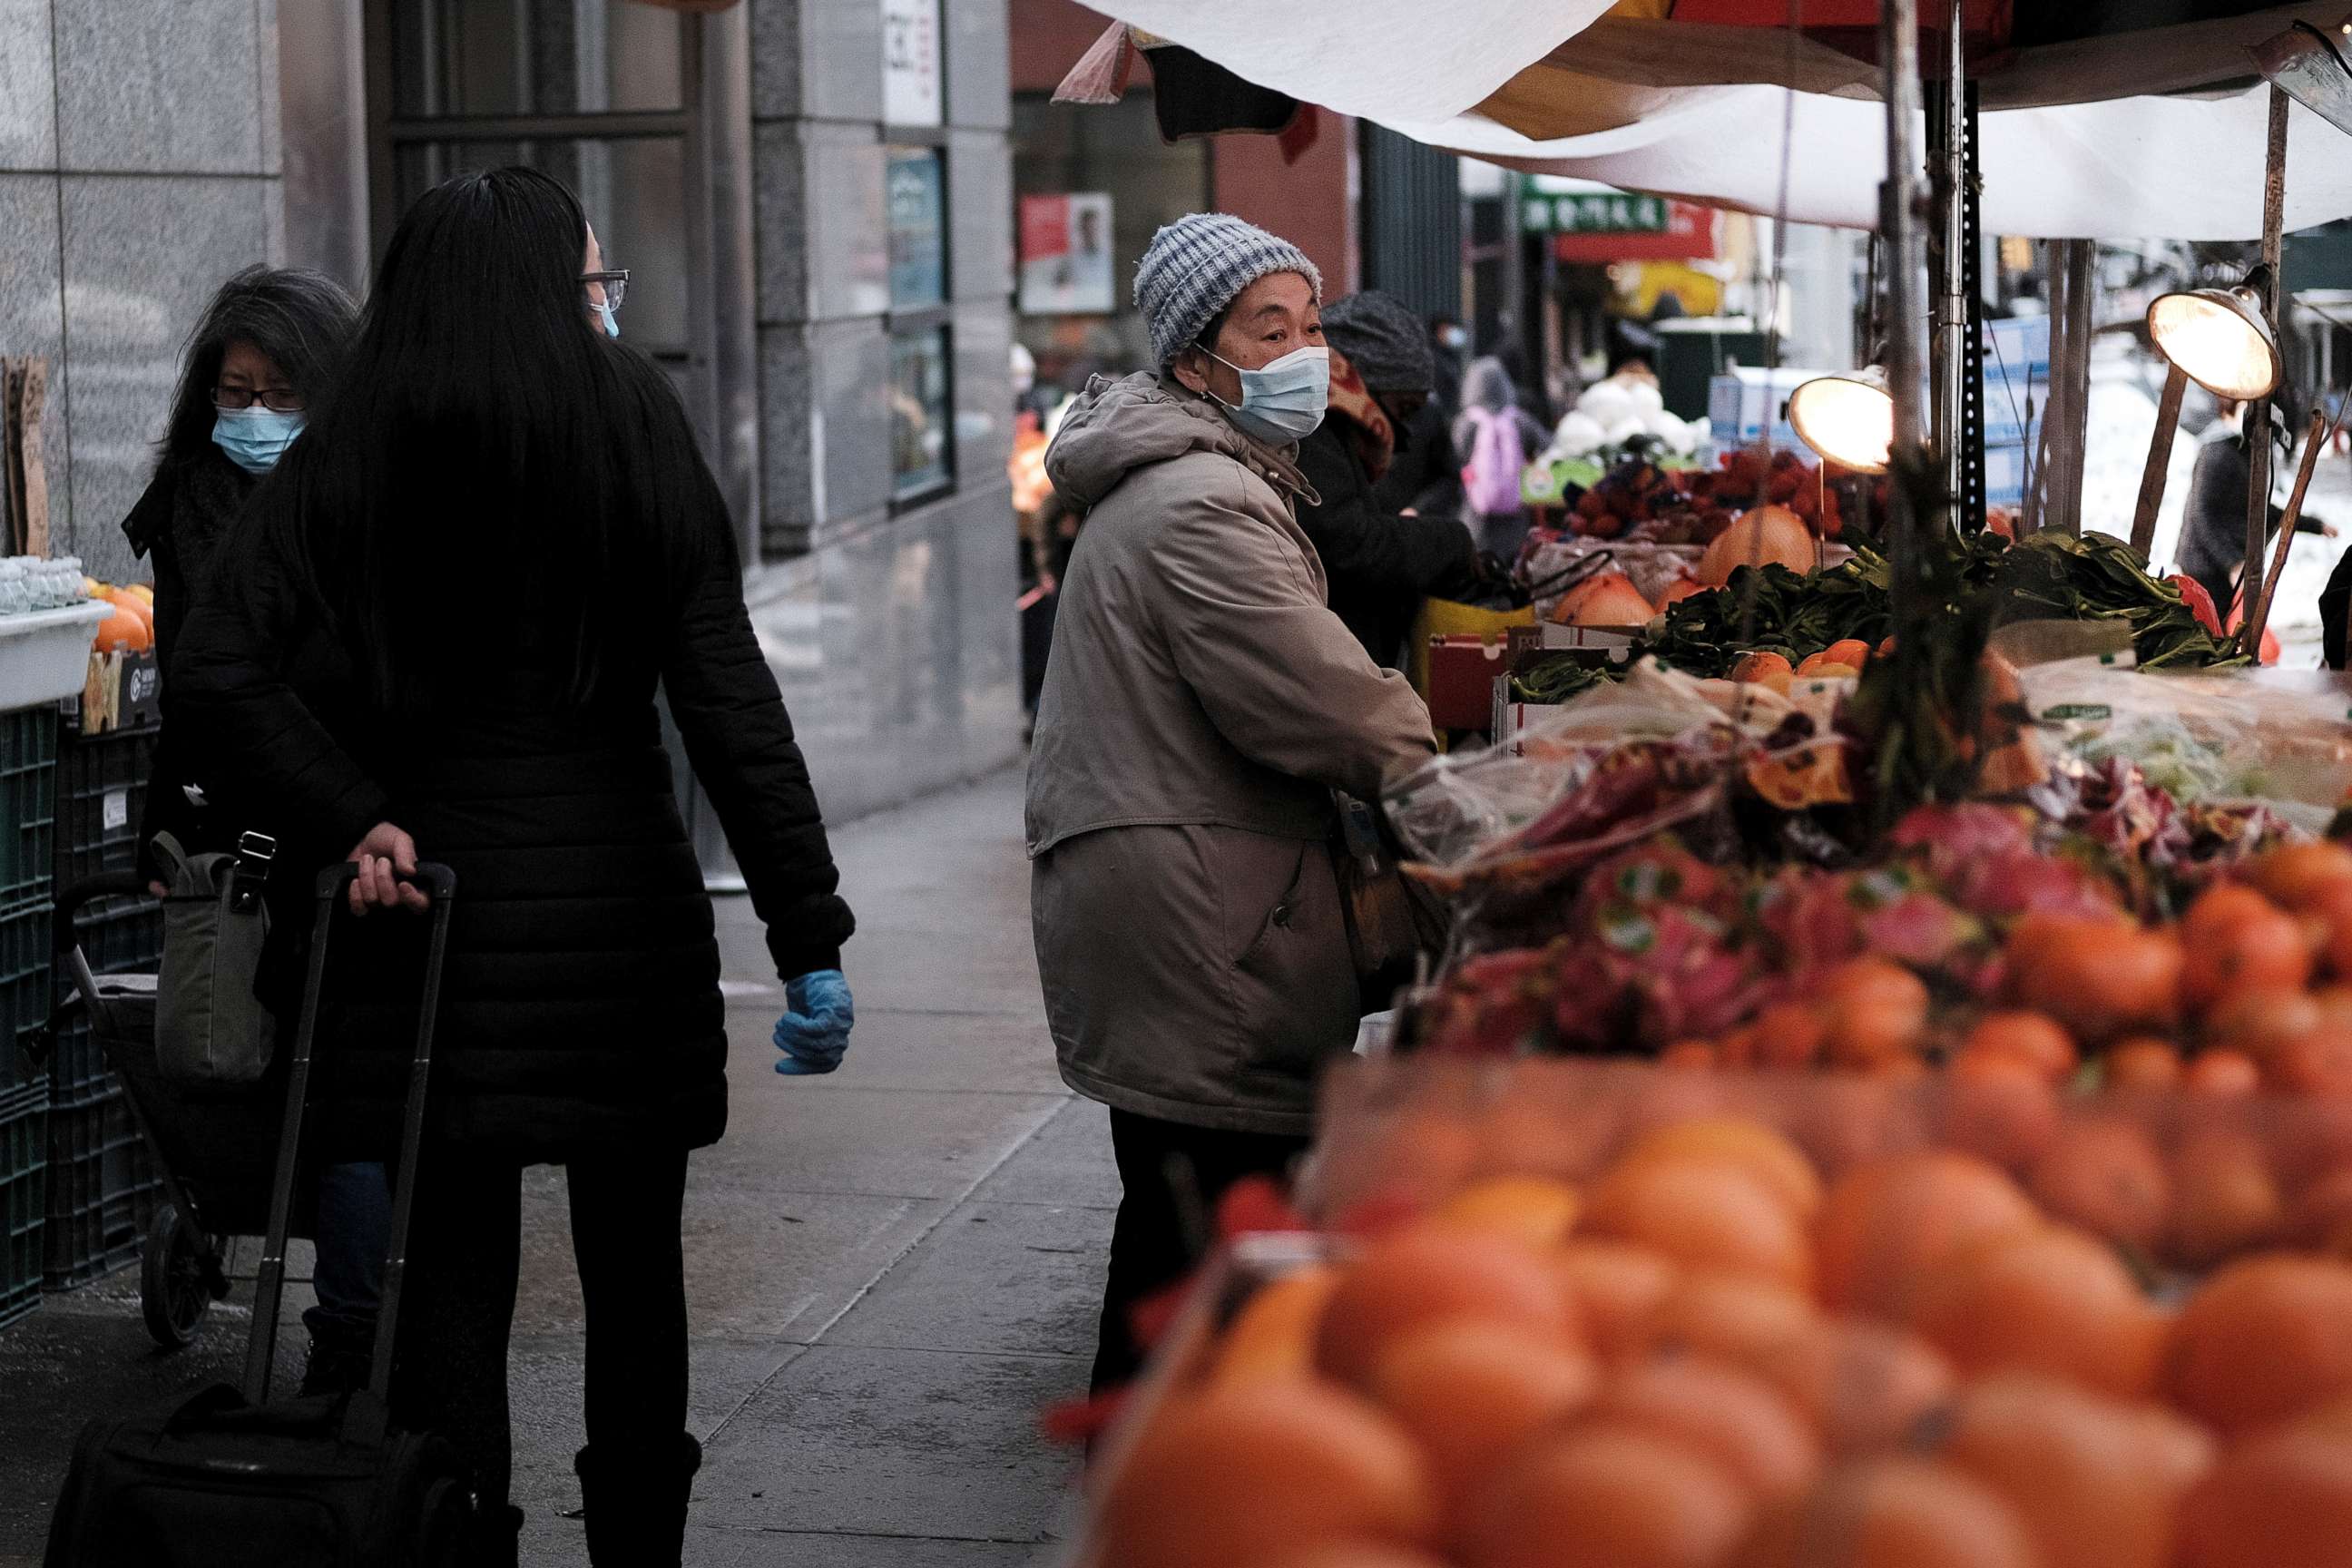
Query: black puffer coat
[[178, 525], [583, 1008], [1380, 562]]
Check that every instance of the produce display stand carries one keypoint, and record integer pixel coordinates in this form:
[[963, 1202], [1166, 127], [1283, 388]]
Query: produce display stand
[[1942, 932]]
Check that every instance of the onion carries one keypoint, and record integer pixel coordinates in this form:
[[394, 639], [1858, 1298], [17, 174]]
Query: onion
[[1765, 534], [1647, 398]]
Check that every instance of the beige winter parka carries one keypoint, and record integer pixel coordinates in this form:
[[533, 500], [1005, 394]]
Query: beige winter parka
[[1199, 705]]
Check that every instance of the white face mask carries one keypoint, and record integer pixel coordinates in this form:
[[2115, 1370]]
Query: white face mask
[[1284, 401]]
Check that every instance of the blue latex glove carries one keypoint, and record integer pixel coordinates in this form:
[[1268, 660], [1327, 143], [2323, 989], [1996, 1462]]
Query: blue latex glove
[[815, 1030]]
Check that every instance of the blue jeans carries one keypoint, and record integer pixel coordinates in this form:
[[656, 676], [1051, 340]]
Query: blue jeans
[[354, 1226]]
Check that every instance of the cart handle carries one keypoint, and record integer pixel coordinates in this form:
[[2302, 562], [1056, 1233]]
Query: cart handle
[[431, 875], [73, 896]]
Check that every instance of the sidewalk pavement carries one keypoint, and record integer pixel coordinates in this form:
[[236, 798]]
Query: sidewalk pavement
[[891, 1271]]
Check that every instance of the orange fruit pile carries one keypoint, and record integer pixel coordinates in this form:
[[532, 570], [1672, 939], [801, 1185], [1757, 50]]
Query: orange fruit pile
[[1717, 1352], [2251, 989]]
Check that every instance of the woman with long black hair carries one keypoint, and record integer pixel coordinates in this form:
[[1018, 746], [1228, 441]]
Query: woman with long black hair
[[496, 540]]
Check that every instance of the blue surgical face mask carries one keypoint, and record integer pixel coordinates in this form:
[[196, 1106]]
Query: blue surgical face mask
[[1282, 402], [256, 437], [611, 323]]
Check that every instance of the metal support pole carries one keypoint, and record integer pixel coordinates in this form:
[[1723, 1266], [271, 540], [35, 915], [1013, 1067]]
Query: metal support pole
[[1952, 346], [1898, 217], [2159, 462], [2258, 415], [1898, 48]]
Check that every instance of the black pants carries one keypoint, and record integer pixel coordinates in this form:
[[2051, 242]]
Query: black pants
[[1172, 1176], [458, 1308]]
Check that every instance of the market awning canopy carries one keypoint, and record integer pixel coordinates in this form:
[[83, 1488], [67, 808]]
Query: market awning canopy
[[2151, 126]]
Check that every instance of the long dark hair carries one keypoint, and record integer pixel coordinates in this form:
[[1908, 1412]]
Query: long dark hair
[[491, 470], [302, 320]]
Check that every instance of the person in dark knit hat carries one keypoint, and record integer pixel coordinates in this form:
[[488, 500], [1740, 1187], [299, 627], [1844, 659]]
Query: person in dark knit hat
[[1200, 704], [1381, 562]]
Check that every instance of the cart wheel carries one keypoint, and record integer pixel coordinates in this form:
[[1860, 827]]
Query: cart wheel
[[173, 1294]]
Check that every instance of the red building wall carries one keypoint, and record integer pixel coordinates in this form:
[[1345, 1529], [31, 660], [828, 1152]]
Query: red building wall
[[1311, 202]]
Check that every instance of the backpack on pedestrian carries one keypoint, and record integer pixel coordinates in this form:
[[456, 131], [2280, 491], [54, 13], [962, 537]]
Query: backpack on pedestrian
[[1491, 478]]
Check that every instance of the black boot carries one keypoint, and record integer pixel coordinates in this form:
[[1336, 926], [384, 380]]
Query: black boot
[[634, 1500], [339, 1359], [490, 1544]]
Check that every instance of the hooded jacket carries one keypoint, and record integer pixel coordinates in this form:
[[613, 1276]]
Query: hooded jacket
[[1200, 703]]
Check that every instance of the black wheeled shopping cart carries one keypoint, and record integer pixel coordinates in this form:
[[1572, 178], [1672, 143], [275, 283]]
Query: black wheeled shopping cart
[[215, 1150]]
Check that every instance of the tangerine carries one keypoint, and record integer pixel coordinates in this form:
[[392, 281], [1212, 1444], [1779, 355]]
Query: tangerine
[[2260, 1019], [2222, 1074], [1999, 1108], [2290, 874], [1704, 1213], [1732, 1315], [2283, 1501], [2226, 1201], [2143, 1064], [2233, 937], [1885, 1227], [1876, 1010], [1762, 1151], [1237, 1475], [2316, 1066], [2095, 1481], [1614, 1290], [1536, 1210], [2267, 1338], [2033, 1038], [1863, 1385], [2104, 1175], [1425, 1276], [2099, 976], [1890, 1513], [2046, 1300], [1734, 1417], [1605, 1497], [1469, 1393]]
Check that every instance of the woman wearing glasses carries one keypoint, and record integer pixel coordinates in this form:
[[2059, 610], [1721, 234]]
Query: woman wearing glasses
[[261, 354], [439, 633], [260, 357]]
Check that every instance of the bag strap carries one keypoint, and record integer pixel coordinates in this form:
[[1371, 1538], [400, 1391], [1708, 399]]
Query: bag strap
[[261, 1343], [172, 859]]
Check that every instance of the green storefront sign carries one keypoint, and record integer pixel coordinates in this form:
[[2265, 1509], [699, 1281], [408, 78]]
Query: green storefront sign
[[1612, 211]]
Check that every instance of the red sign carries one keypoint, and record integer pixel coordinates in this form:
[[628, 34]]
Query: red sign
[[1692, 233]]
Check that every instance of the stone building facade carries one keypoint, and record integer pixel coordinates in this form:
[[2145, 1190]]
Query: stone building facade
[[814, 197]]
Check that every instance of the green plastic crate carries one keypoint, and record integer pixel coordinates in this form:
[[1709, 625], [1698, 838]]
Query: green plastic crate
[[29, 800], [24, 994], [24, 1146], [102, 1189]]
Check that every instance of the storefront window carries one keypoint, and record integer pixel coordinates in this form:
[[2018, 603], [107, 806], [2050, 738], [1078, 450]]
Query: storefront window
[[917, 193], [534, 56], [921, 427]]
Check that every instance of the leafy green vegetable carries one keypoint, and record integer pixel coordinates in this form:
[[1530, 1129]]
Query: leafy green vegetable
[[1558, 678]]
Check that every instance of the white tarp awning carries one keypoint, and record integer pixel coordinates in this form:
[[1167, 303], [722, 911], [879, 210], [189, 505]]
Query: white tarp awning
[[2187, 167], [2176, 168]]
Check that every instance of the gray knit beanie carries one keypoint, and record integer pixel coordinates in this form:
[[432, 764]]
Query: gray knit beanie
[[1384, 341], [1196, 267]]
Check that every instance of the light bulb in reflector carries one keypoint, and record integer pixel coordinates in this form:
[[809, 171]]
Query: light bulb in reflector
[[1849, 420], [2219, 340]]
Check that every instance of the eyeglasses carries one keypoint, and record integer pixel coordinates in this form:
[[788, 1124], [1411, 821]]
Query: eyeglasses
[[277, 399], [616, 285]]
